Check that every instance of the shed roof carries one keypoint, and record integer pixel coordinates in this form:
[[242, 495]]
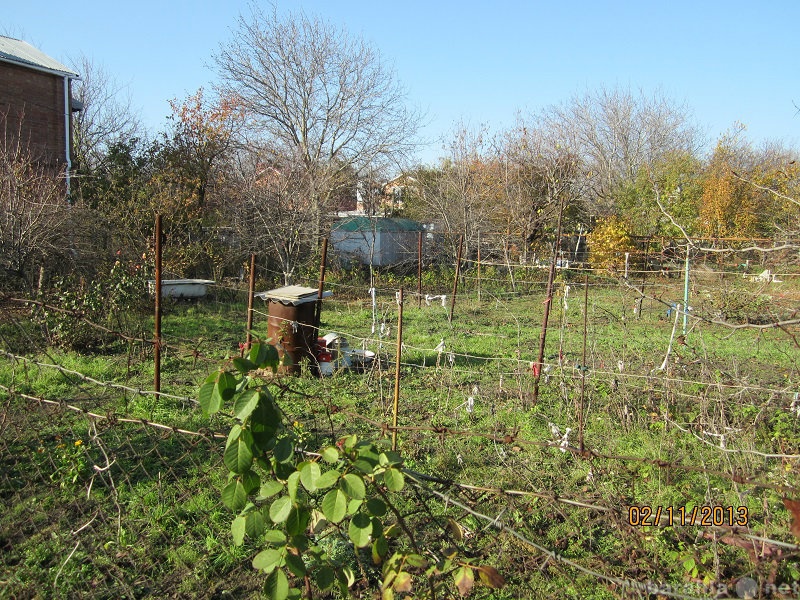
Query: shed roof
[[378, 224], [23, 54]]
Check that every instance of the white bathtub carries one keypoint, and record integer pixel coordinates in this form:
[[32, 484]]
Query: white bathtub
[[181, 288]]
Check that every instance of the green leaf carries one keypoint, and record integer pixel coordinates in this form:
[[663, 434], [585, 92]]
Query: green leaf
[[269, 489], [251, 481], [225, 387], [376, 507], [234, 496], [243, 365], [254, 524], [258, 353], [238, 455], [330, 454], [264, 355], [334, 506], [309, 475], [280, 509], [328, 479], [233, 434], [284, 450], [360, 530], [275, 536], [393, 479], [325, 578], [415, 560], [353, 506], [353, 485], [297, 521], [292, 483], [246, 403], [379, 550], [208, 402], [238, 530], [296, 565], [277, 585], [268, 559]]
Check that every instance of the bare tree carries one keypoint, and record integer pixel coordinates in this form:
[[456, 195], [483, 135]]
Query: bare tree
[[323, 98], [616, 134], [267, 207], [105, 117], [32, 211], [461, 195]]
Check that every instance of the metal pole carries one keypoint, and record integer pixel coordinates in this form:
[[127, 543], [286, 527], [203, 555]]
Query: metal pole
[[251, 292], [419, 270], [479, 267], [455, 280], [157, 311], [686, 291], [547, 303], [321, 285], [583, 360], [397, 369]]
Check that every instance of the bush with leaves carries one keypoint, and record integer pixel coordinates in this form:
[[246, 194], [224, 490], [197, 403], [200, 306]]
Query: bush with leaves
[[321, 517], [608, 243], [87, 310]]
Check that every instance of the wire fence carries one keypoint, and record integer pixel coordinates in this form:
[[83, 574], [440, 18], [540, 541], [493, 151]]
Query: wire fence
[[112, 489]]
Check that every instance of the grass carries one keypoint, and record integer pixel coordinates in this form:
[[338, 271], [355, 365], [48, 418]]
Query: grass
[[134, 511]]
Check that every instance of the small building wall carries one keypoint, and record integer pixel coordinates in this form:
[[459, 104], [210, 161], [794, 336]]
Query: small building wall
[[32, 110], [380, 242]]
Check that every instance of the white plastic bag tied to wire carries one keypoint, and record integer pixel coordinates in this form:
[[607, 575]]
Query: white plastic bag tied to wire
[[566, 296], [564, 441], [794, 407], [440, 347], [564, 444], [429, 299]]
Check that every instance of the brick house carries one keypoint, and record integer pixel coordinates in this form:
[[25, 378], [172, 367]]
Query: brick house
[[36, 105]]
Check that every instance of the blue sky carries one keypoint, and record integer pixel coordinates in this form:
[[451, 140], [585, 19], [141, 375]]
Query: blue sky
[[476, 62]]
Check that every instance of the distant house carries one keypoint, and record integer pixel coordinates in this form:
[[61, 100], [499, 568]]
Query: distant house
[[379, 241], [36, 105]]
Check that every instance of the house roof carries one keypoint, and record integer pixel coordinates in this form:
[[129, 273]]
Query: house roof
[[378, 224], [23, 54]]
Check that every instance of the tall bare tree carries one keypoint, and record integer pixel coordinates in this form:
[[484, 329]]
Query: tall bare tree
[[323, 98], [617, 133], [106, 115], [32, 212]]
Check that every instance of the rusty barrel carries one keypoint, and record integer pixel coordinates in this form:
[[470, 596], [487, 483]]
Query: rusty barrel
[[290, 325]]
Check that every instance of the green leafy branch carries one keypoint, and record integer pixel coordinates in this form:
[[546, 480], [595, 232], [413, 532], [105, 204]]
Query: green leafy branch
[[319, 517]]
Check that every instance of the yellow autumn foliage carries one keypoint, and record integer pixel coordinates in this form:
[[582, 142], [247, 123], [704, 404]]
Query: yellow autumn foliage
[[608, 243]]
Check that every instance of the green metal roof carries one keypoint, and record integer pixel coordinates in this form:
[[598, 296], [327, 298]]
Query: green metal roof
[[377, 223]]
